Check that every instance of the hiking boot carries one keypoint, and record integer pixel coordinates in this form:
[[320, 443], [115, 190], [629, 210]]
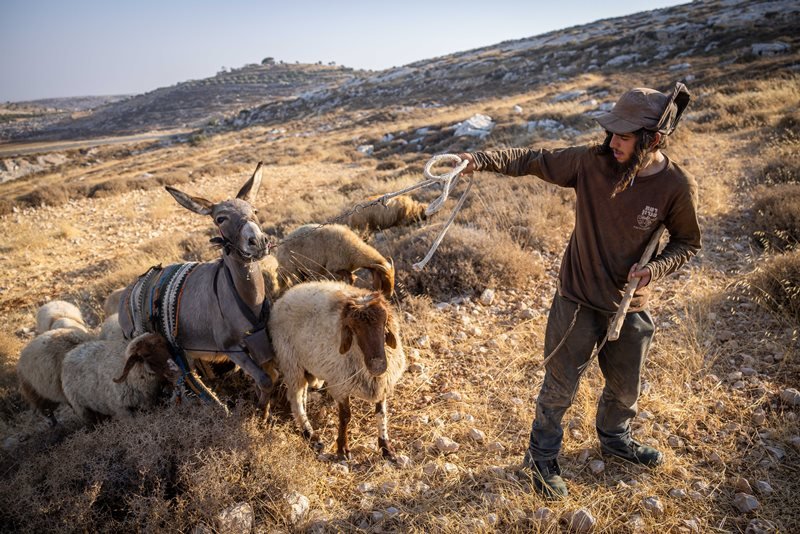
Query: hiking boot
[[546, 477], [634, 452]]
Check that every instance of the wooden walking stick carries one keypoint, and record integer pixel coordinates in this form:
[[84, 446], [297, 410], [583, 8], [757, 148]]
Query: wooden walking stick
[[619, 317]]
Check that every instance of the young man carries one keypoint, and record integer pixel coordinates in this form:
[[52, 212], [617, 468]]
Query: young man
[[625, 188]]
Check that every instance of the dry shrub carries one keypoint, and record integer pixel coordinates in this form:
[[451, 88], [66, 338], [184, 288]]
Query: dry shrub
[[777, 216], [775, 285], [783, 159], [197, 247], [468, 261], [51, 195], [10, 400], [166, 471]]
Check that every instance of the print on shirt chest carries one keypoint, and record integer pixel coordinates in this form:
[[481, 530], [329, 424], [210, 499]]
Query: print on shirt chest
[[645, 220]]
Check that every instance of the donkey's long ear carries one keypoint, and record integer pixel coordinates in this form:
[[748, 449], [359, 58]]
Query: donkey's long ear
[[195, 204], [249, 190]]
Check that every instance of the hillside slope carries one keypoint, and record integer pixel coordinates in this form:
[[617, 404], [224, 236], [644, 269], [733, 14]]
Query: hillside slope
[[719, 393]]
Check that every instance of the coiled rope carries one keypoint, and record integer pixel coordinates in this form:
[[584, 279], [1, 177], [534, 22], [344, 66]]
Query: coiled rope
[[448, 181]]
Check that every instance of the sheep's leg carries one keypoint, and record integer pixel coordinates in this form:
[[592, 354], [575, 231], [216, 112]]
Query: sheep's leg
[[342, 450], [382, 420], [297, 401]]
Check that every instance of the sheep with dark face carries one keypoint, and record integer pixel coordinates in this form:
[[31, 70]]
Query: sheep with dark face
[[314, 251], [115, 378], [39, 368], [348, 337]]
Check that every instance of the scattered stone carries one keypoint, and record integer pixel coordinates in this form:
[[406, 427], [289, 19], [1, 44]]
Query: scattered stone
[[696, 495], [597, 466], [677, 493], [496, 446], [298, 507], [450, 469], [760, 526], [790, 396], [770, 49], [674, 442], [392, 511], [517, 109], [692, 524], [543, 515], [365, 487], [477, 435], [653, 506], [636, 523], [340, 469], [454, 396], [745, 503], [759, 417], [644, 415], [795, 442], [741, 485], [477, 126], [366, 149], [424, 341], [487, 297], [446, 445], [700, 485], [734, 376], [777, 452], [763, 487], [580, 520], [402, 461], [416, 368], [237, 518]]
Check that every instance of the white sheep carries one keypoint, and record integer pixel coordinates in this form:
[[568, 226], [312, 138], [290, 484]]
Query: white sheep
[[397, 211], [114, 378], [331, 250], [59, 314], [313, 326], [39, 368], [111, 304]]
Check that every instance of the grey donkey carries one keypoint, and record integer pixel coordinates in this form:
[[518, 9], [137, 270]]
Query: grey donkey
[[211, 311]]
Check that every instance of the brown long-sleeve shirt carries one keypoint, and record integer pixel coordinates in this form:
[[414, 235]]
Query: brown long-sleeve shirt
[[610, 234]]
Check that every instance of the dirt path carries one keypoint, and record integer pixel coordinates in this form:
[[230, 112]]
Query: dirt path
[[22, 149]]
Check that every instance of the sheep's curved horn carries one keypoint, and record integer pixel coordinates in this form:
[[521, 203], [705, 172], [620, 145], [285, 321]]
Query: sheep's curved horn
[[131, 361]]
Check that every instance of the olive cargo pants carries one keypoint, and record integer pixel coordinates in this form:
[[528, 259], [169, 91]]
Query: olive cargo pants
[[620, 361]]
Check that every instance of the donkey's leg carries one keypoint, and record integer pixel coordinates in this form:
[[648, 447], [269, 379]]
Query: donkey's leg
[[382, 420], [262, 379], [342, 450]]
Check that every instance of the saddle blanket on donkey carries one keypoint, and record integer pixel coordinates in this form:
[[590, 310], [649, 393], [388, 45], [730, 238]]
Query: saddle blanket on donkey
[[153, 304]]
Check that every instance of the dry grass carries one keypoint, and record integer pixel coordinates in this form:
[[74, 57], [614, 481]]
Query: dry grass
[[180, 467]]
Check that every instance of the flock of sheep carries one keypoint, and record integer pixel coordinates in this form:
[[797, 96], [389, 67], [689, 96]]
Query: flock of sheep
[[323, 329]]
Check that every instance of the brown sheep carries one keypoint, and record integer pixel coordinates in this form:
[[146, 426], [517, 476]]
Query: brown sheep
[[331, 251], [397, 211]]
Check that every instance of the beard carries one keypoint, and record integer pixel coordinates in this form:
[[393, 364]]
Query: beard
[[627, 170]]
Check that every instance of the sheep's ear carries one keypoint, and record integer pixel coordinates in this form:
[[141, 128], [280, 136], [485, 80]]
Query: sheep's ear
[[132, 360], [195, 204], [391, 339], [249, 190], [347, 339]]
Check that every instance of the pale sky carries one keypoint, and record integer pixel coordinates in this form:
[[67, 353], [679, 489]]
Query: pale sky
[[58, 48]]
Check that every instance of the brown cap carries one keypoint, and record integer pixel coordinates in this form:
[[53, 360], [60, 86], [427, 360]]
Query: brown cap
[[638, 108]]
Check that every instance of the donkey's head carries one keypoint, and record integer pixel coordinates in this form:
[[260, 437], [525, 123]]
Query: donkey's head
[[235, 218], [369, 320]]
